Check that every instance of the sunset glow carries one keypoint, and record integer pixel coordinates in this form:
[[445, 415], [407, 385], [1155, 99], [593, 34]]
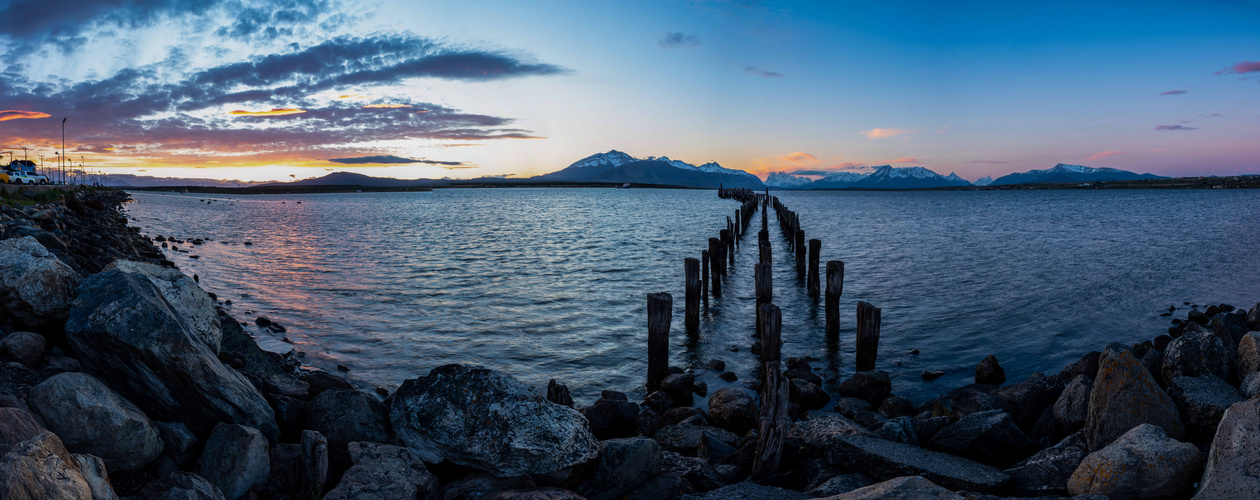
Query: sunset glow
[[271, 112], [12, 114]]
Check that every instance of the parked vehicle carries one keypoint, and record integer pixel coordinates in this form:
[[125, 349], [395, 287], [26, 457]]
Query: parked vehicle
[[23, 172]]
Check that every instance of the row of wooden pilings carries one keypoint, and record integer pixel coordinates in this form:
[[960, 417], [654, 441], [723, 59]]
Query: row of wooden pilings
[[706, 275]]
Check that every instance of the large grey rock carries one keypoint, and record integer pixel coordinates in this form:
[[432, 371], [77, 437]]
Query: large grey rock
[[127, 334], [178, 441], [1197, 354], [900, 429], [612, 418], [90, 418], [836, 485], [17, 425], [1028, 399], [545, 493], [1047, 472], [94, 472], [901, 488], [988, 371], [1143, 463], [1233, 463], [966, 400], [989, 437], [747, 491], [488, 420], [622, 465], [888, 460], [1250, 386], [819, 430], [870, 386], [1203, 401], [697, 472], [733, 409], [1248, 354], [1072, 408], [686, 438], [235, 459], [1125, 396], [661, 486], [35, 286], [181, 486], [347, 416], [40, 468], [24, 347], [386, 472], [186, 298]]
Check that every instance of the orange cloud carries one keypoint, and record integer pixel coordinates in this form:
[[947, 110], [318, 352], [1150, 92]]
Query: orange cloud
[[13, 114], [351, 96], [903, 160], [1104, 154], [421, 112], [884, 133], [378, 106], [272, 112]]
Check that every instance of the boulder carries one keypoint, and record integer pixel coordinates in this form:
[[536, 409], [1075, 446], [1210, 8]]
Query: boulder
[[714, 450], [685, 438], [807, 395], [178, 442], [1047, 472], [851, 406], [836, 485], [17, 425], [989, 437], [896, 406], [689, 414], [90, 418], [966, 400], [821, 429], [1087, 366], [697, 472], [127, 334], [680, 387], [989, 372], [235, 459], [661, 486], [1249, 354], [347, 416], [900, 429], [477, 485], [1028, 399], [870, 386], [1125, 396], [622, 465], [24, 347], [1230, 328], [486, 419], [747, 491], [1203, 401], [612, 418], [901, 488], [40, 468], [1250, 386], [545, 493], [927, 427], [1233, 463], [387, 472], [183, 294], [93, 470], [886, 460], [1253, 317], [35, 286], [1072, 408], [1143, 463], [1196, 354], [181, 486]]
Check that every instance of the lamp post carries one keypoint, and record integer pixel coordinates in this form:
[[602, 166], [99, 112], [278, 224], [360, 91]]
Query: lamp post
[[63, 148]]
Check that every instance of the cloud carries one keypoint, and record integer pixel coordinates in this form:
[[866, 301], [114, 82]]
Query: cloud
[[1174, 127], [903, 160], [13, 114], [271, 112], [674, 40], [989, 162], [1105, 154], [761, 72], [1241, 67], [391, 160], [1213, 115], [386, 106], [1173, 92], [942, 130], [884, 133]]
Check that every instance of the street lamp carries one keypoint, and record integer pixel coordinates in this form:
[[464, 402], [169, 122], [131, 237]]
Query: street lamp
[[63, 147]]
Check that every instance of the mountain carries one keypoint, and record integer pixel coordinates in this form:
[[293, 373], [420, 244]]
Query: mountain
[[887, 177], [591, 166], [353, 179], [983, 181], [138, 181], [837, 180], [784, 180], [1072, 173], [661, 172]]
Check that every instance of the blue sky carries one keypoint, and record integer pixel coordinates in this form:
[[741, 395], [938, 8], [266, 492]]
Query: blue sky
[[523, 88]]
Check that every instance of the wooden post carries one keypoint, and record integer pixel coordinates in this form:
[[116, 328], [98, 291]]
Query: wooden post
[[815, 247], [835, 286], [763, 251], [739, 223], [771, 328], [715, 265], [660, 307], [774, 421], [691, 269], [764, 285], [867, 336], [800, 253], [704, 277], [730, 248]]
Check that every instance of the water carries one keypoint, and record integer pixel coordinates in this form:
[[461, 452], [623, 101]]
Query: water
[[551, 283]]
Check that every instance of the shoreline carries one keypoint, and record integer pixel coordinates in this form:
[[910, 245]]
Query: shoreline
[[988, 438]]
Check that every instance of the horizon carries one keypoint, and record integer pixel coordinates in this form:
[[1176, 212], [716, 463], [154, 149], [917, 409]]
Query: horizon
[[286, 91]]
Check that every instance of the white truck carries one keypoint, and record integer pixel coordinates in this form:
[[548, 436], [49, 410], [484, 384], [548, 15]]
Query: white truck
[[23, 172]]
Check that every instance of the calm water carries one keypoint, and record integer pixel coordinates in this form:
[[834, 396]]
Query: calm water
[[551, 283]]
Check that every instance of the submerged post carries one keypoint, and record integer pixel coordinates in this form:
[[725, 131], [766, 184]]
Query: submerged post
[[800, 253], [835, 286], [691, 270], [660, 308], [704, 277], [715, 265], [867, 336], [815, 247]]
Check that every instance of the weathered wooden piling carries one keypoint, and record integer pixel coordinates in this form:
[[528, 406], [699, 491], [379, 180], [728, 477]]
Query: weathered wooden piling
[[729, 240], [800, 253], [764, 286], [763, 251], [815, 247], [704, 277], [835, 286], [739, 224], [771, 328], [715, 265], [660, 308], [867, 344], [691, 270], [774, 420]]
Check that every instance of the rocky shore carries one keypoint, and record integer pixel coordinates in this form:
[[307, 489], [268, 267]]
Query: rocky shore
[[121, 378]]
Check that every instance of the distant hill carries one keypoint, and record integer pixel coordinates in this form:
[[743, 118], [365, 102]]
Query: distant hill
[[616, 166], [139, 181], [884, 177], [785, 180], [983, 181], [1071, 173], [353, 179]]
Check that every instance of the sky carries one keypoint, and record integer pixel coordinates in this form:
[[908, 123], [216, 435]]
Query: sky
[[284, 89]]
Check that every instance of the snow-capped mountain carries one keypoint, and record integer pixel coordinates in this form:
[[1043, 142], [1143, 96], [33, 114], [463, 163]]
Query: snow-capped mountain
[[837, 180], [615, 166], [785, 180], [983, 181], [600, 163], [1072, 173], [888, 177]]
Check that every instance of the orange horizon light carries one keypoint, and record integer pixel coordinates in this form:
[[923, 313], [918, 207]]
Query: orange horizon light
[[272, 112], [14, 114]]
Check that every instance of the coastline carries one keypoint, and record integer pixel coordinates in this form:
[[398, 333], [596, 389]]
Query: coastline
[[998, 438]]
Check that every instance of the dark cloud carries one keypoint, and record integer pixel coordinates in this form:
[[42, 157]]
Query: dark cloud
[[1173, 92], [761, 72], [1213, 115], [676, 39], [390, 160], [1174, 127]]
